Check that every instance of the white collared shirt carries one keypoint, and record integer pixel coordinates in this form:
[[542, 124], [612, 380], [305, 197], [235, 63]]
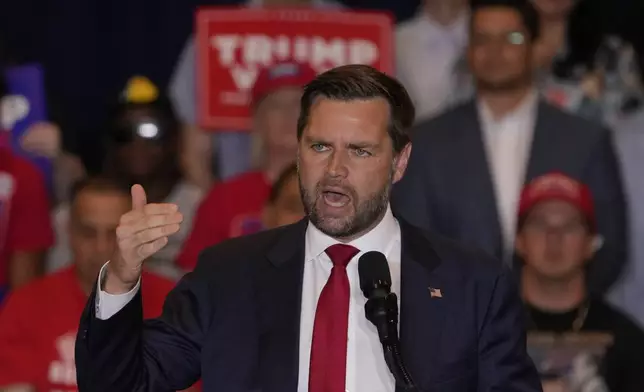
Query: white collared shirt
[[507, 142], [366, 367], [427, 53]]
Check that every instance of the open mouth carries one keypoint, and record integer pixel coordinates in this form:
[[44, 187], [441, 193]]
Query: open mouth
[[335, 199]]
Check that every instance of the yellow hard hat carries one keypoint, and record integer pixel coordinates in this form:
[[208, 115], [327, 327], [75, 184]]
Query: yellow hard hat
[[140, 89]]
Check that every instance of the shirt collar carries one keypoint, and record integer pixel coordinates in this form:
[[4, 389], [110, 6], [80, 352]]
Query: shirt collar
[[527, 108], [378, 239]]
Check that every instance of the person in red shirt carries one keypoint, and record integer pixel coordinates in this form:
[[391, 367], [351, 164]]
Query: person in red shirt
[[38, 321], [234, 207], [25, 223]]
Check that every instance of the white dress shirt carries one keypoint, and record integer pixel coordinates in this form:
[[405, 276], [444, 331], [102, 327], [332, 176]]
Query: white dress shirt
[[507, 142], [427, 53], [366, 367]]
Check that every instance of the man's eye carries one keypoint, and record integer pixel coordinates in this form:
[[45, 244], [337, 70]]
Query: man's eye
[[362, 152], [319, 147]]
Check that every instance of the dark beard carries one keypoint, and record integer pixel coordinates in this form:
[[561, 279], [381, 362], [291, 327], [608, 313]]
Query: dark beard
[[367, 213]]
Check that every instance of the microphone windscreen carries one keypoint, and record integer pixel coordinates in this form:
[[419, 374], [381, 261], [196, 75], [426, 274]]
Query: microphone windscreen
[[374, 273]]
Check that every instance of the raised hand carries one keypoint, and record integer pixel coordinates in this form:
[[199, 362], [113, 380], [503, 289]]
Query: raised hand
[[141, 233]]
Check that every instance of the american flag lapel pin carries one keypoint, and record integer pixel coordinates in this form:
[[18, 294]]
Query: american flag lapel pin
[[435, 293]]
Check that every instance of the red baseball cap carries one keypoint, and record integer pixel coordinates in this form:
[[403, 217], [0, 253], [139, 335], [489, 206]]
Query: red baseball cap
[[558, 186], [280, 75]]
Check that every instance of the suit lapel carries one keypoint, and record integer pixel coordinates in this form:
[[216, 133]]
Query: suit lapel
[[279, 292], [542, 144], [480, 193], [551, 144], [421, 316]]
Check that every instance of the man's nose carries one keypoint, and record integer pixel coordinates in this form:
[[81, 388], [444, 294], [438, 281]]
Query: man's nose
[[337, 164]]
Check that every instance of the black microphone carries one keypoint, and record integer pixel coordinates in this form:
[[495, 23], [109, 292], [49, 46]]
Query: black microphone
[[381, 310]]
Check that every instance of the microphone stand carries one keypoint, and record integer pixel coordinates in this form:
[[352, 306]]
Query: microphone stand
[[393, 358], [383, 313]]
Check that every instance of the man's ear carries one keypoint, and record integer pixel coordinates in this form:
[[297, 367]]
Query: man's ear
[[400, 164], [594, 244]]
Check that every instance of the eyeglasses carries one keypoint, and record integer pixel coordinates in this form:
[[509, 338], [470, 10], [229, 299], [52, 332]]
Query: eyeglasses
[[514, 38]]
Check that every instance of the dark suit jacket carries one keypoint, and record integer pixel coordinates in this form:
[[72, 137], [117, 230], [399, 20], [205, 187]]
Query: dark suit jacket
[[234, 322], [448, 187]]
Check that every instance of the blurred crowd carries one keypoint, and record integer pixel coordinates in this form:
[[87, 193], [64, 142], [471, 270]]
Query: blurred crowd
[[528, 143]]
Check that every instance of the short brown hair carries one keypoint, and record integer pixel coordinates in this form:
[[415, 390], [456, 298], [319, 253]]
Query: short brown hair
[[525, 8], [362, 82]]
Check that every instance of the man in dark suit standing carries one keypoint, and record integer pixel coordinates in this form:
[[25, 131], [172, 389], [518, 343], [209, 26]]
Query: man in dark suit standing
[[282, 310], [469, 164]]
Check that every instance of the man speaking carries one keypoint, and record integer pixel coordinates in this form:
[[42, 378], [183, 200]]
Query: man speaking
[[314, 306]]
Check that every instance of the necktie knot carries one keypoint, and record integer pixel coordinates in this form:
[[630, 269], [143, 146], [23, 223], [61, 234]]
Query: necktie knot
[[341, 254]]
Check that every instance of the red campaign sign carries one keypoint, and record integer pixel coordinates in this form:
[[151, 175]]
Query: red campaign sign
[[233, 44]]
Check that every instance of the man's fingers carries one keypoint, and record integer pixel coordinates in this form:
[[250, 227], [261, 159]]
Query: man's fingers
[[150, 235], [139, 199], [160, 208], [136, 242], [148, 222], [153, 247], [149, 209], [145, 229]]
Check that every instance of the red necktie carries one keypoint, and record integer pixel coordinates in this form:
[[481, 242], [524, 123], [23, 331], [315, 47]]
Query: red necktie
[[328, 368]]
